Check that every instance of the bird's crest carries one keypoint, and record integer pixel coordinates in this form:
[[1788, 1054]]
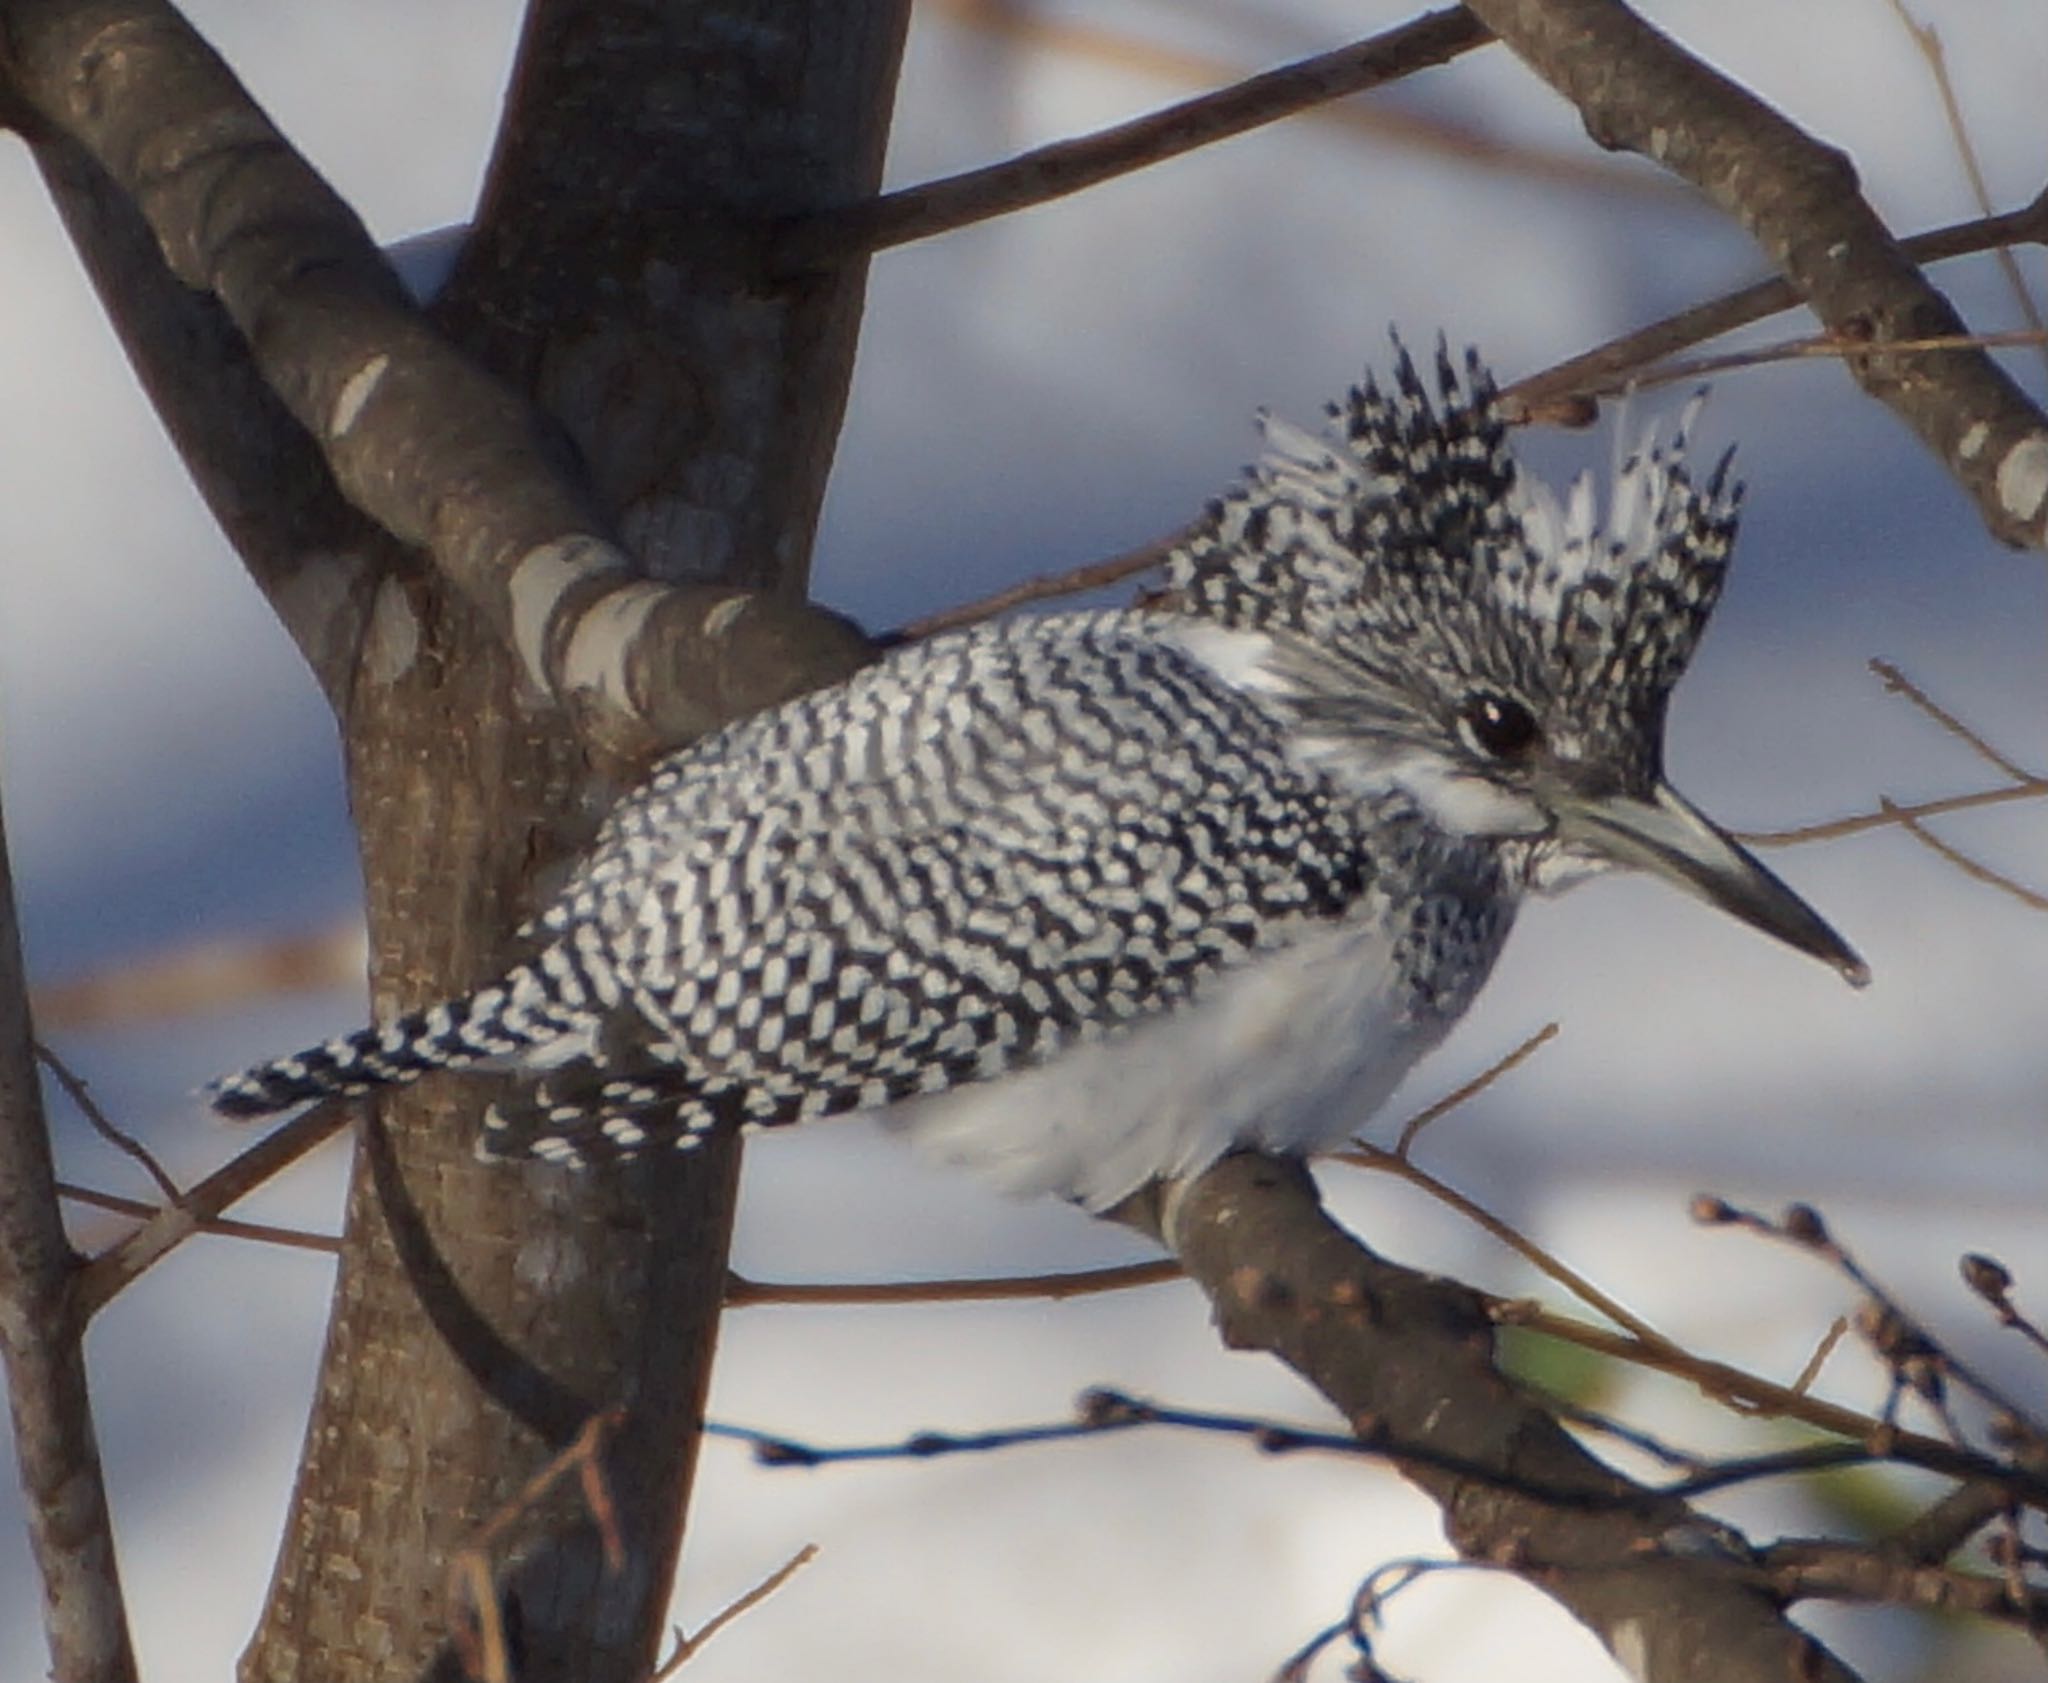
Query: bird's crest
[[1409, 530]]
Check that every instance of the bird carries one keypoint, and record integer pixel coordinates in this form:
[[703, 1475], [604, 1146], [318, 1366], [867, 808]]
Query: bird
[[1089, 899]]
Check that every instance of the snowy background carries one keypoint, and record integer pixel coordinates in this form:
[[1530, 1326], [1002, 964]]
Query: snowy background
[[1031, 396]]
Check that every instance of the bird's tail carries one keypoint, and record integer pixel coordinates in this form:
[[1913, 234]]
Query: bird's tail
[[520, 1020]]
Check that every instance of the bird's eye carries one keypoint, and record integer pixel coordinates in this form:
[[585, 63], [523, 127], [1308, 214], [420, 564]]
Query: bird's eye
[[1499, 727]]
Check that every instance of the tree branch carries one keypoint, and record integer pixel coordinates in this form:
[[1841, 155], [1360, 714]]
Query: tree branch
[[257, 1232], [1637, 89], [440, 454], [1821, 1568], [1068, 166], [259, 472], [124, 1263], [1466, 141], [1407, 1359], [41, 1337], [1559, 395]]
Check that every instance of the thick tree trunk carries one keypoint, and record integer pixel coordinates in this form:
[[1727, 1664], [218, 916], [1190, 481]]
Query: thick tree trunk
[[483, 1312]]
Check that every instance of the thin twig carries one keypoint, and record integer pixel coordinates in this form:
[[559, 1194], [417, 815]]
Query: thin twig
[[1104, 1411], [1924, 37], [688, 1647], [1051, 172], [123, 1263], [1364, 1156], [1559, 395], [1974, 869], [1821, 1351], [1895, 1337], [1094, 576], [224, 1227], [1732, 1386], [1991, 1280], [1473, 1088], [1897, 683], [744, 1293], [55, 1451], [81, 1096], [480, 1639], [1812, 347], [1592, 1420], [1368, 1611], [1428, 132], [480, 1636], [1891, 814]]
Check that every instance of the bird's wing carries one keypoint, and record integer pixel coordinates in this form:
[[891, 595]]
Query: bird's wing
[[958, 864]]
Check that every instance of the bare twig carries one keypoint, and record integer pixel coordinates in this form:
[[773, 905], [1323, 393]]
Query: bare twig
[[1364, 1156], [1638, 89], [1991, 1280], [126, 1143], [1473, 1088], [1976, 870], [1898, 683], [42, 1327], [1752, 1394], [689, 1646], [1094, 576], [1538, 398], [1807, 348], [478, 1623], [1101, 1411], [1562, 395], [1427, 132], [1097, 1412], [474, 1616], [1368, 1610], [743, 1293], [1052, 172], [1929, 44], [292, 1238], [1892, 813], [1837, 1330], [1918, 1360], [122, 1264]]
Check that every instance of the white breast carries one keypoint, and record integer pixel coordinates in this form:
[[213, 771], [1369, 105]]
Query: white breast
[[1290, 1052]]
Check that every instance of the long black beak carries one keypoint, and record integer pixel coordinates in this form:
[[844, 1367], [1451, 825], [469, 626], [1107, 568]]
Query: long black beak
[[1669, 836]]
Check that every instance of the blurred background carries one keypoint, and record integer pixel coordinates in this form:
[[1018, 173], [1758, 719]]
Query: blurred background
[[1035, 394]]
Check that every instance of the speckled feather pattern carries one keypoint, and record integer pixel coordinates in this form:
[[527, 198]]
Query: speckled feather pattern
[[1156, 876], [1408, 540]]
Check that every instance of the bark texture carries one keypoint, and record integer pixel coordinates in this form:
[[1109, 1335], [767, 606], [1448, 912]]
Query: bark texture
[[482, 1313], [42, 1332], [1637, 90], [436, 507], [1407, 1358]]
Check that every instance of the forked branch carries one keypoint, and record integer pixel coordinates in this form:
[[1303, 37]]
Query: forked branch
[[1407, 1358], [436, 451], [1639, 90]]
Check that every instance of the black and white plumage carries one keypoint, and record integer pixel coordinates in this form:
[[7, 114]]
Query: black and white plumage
[[1088, 899]]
